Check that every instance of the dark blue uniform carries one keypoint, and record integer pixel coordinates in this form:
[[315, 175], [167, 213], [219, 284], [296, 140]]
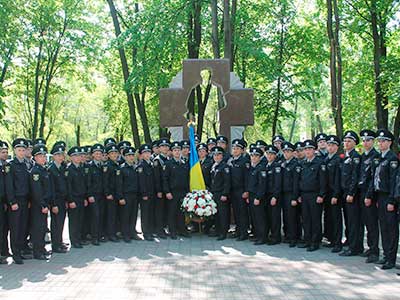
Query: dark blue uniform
[[41, 197], [17, 192], [111, 178], [312, 184], [59, 199]]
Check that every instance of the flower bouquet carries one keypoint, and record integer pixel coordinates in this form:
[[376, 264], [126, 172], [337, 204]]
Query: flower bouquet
[[199, 205]]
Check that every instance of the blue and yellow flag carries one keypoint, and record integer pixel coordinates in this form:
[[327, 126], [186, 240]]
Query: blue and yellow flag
[[196, 175]]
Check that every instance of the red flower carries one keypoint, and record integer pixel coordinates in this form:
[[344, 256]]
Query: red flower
[[196, 206]]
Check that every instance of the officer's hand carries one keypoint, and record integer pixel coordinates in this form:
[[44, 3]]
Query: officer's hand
[[256, 202], [110, 197], [334, 201], [145, 198], [14, 207], [390, 207], [54, 210], [349, 199], [45, 210], [245, 195], [293, 203], [85, 203], [224, 198], [320, 200], [247, 200], [159, 195], [299, 200], [91, 200], [122, 202], [368, 202], [72, 205], [29, 205], [169, 196], [273, 201]]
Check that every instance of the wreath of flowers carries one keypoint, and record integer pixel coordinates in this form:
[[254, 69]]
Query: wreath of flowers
[[199, 204]]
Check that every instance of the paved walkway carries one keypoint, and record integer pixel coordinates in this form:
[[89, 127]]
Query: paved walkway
[[197, 268]]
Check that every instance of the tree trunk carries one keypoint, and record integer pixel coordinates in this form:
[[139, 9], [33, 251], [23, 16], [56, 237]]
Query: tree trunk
[[335, 65], [37, 91], [125, 71], [396, 129], [232, 31], [227, 31], [381, 99], [294, 119], [214, 29]]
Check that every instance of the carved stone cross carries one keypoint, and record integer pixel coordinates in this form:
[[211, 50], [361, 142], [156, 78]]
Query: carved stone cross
[[239, 108]]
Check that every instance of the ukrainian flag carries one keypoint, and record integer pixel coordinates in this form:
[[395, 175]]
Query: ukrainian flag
[[196, 175]]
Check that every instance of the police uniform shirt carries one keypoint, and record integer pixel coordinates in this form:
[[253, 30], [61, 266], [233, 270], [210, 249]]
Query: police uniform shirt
[[59, 185], [17, 180], [332, 163], [384, 175], [41, 188], [97, 171], [176, 176], [239, 172], [146, 179], [290, 177], [313, 177], [257, 181], [350, 172], [221, 178], [77, 189]]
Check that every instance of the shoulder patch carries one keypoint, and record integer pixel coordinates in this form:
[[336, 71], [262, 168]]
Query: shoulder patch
[[278, 169], [264, 173], [7, 169], [376, 161], [140, 169], [155, 163], [66, 173], [105, 169], [227, 170], [118, 172], [394, 164], [298, 169], [86, 170], [323, 168], [248, 165], [356, 160], [164, 167], [36, 177]]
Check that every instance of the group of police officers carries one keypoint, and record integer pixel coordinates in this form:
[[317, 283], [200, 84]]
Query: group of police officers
[[305, 194]]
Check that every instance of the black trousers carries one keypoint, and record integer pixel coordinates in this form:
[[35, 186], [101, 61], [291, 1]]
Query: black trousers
[[38, 229], [327, 220], [239, 211], [273, 219], [102, 204], [5, 249], [336, 221], [259, 218], [290, 213], [93, 215], [312, 215], [369, 219], [388, 221], [159, 214], [353, 211], [18, 221], [75, 216], [176, 219], [111, 216], [2, 223], [128, 214], [147, 215], [223, 214], [57, 225]]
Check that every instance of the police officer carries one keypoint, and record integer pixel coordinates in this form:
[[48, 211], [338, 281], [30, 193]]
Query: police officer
[[155, 149], [220, 188], [96, 201], [147, 191], [222, 141], [257, 186], [77, 193], [3, 205], [350, 173], [121, 147], [239, 175], [17, 192], [57, 173], [159, 203], [383, 185], [273, 195], [320, 140], [41, 196], [128, 195], [333, 193], [290, 192], [299, 153], [185, 144], [312, 185], [262, 145], [176, 186], [277, 141], [112, 176], [369, 210]]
